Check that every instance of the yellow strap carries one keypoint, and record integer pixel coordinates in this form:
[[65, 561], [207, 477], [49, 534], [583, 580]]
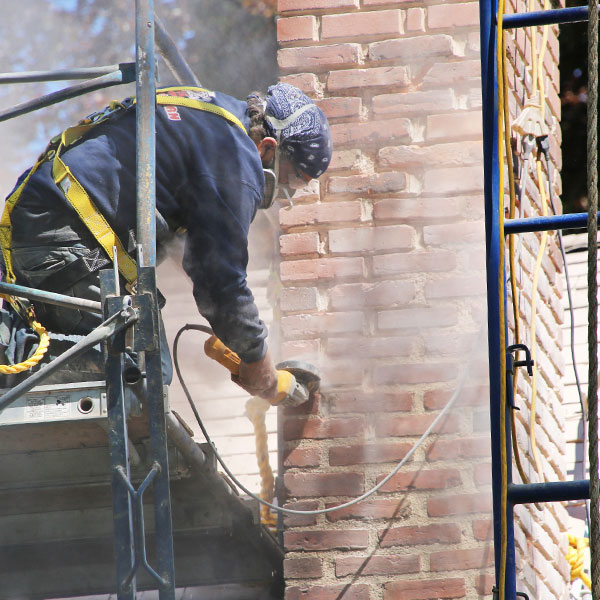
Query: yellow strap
[[92, 218]]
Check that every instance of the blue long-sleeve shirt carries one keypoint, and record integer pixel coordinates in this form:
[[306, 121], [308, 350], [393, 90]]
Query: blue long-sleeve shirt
[[209, 181]]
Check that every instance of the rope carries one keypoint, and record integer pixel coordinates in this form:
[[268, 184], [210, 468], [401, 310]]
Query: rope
[[39, 353], [256, 410], [592, 185], [576, 559]]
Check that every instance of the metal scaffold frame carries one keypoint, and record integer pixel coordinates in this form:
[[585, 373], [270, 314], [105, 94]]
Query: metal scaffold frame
[[507, 494], [123, 313]]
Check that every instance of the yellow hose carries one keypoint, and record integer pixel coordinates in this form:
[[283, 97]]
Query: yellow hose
[[256, 410]]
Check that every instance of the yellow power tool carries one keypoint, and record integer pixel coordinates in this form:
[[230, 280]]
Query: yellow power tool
[[296, 380]]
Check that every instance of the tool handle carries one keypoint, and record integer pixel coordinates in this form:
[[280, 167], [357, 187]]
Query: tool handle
[[214, 348], [286, 383]]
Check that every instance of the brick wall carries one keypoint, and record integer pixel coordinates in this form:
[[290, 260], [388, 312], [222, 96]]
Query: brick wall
[[383, 275]]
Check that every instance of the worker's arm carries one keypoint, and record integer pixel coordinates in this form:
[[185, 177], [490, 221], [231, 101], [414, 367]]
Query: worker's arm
[[215, 258]]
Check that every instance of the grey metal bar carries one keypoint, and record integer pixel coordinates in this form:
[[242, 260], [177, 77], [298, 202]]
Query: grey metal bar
[[63, 74], [49, 297], [146, 238], [171, 55], [112, 325], [118, 448], [116, 78]]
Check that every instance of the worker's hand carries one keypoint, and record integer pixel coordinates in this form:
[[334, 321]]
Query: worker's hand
[[258, 378]]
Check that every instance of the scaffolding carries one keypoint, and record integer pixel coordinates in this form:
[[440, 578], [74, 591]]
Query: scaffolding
[[217, 527], [506, 493]]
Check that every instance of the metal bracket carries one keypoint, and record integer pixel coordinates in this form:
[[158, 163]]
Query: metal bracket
[[519, 363], [137, 497], [495, 592]]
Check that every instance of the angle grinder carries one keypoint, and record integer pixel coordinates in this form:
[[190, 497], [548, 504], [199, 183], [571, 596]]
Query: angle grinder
[[296, 380]]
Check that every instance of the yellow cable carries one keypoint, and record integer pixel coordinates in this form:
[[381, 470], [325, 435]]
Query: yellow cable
[[534, 64], [256, 409], [576, 559], [502, 316]]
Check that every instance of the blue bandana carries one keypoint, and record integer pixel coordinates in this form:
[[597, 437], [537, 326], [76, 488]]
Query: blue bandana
[[301, 128]]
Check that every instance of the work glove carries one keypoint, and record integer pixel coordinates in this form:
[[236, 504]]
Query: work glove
[[258, 378]]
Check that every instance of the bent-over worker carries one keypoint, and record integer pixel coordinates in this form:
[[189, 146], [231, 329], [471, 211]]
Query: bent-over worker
[[211, 150]]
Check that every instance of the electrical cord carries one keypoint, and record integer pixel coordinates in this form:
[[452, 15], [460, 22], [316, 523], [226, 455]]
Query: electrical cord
[[291, 511]]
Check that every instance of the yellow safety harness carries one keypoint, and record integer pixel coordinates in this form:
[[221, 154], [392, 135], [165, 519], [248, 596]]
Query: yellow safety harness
[[79, 199]]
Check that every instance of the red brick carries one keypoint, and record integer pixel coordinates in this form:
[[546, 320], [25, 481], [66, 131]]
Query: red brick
[[313, 540], [299, 243], [483, 529], [387, 564], [328, 592], [346, 160], [360, 454], [341, 372], [461, 559], [425, 589], [296, 29], [469, 448], [451, 16], [482, 474], [301, 298], [369, 510], [453, 343], [442, 155], [469, 396], [414, 49], [307, 82], [358, 26], [375, 347], [485, 583], [413, 535], [385, 2], [373, 183], [459, 504], [457, 233], [454, 125], [372, 239], [415, 19], [460, 180], [302, 568], [343, 107], [321, 429], [300, 350], [417, 103], [321, 269], [349, 402], [314, 58], [473, 286], [455, 73], [312, 214], [421, 210], [301, 457], [382, 293], [413, 373], [411, 425], [414, 262], [432, 479], [284, 6], [415, 318], [310, 485], [389, 77], [304, 325], [373, 132], [291, 520]]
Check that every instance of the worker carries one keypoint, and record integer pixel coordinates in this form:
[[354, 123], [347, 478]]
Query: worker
[[218, 160]]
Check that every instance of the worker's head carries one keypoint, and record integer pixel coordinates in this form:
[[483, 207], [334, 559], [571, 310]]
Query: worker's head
[[296, 146]]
